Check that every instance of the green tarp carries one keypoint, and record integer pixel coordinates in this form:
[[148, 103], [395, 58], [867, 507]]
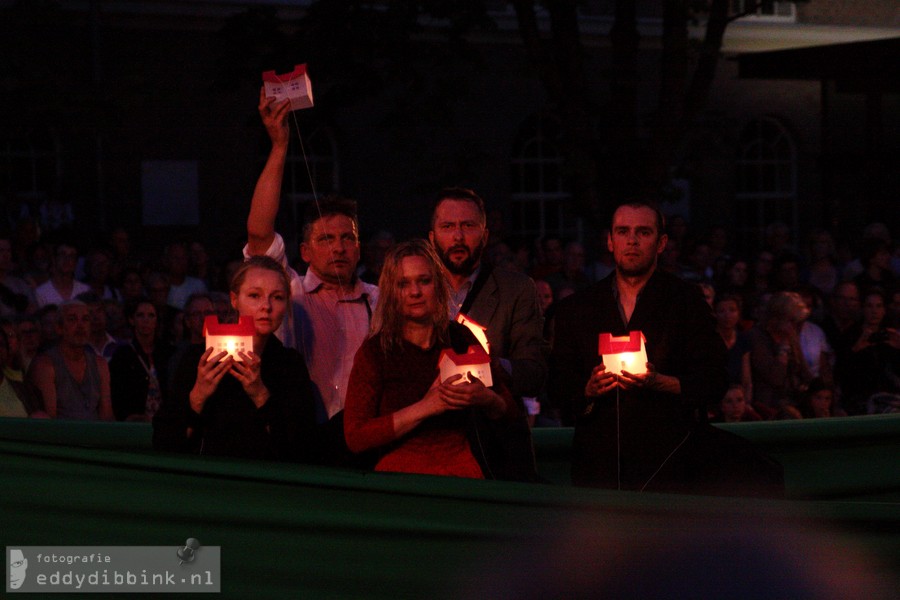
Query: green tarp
[[290, 531]]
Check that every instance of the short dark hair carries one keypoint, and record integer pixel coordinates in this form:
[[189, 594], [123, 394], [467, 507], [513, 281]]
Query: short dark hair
[[461, 194], [328, 207], [660, 217]]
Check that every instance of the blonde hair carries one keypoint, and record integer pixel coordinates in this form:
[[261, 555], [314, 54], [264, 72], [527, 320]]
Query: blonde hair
[[388, 319], [259, 262]]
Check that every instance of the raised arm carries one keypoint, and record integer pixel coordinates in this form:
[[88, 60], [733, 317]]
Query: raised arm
[[267, 194]]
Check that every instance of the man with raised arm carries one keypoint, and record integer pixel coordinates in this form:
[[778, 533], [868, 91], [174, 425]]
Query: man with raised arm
[[504, 302], [629, 427], [331, 307]]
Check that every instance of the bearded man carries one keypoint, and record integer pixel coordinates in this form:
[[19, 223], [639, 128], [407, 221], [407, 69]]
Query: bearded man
[[505, 302]]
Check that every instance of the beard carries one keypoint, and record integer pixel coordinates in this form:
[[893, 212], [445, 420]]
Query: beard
[[636, 269], [468, 264]]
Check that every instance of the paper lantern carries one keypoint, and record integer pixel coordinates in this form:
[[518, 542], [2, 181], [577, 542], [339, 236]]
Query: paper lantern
[[476, 361], [294, 86], [478, 330], [229, 337], [624, 353]]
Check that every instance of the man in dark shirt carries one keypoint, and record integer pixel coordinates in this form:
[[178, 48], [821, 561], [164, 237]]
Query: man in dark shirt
[[629, 426]]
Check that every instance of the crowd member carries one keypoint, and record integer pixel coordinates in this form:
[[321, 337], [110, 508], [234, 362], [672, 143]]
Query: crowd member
[[72, 380], [120, 259], [502, 301], [198, 307], [396, 404], [62, 285], [97, 265], [727, 310], [116, 324], [627, 427], [16, 399], [13, 365], [821, 270], [734, 407], [544, 295], [28, 328], [843, 313], [813, 342], [572, 274], [550, 258], [131, 286], [373, 256], [332, 307], [256, 405], [158, 292], [181, 285], [818, 400], [139, 369], [99, 338], [869, 362], [201, 267], [876, 261], [893, 310], [16, 296], [786, 272], [777, 365]]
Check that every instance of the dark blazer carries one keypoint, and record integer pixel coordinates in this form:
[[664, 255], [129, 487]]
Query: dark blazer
[[505, 302], [507, 305], [630, 434]]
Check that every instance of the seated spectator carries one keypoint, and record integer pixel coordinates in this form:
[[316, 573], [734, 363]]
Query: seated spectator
[[818, 400], [734, 407], [72, 380], [258, 405], [876, 261], [816, 350], [727, 310], [373, 255], [13, 365], [777, 365], [870, 360], [181, 285], [97, 264], [16, 398], [572, 274], [822, 271], [99, 338], [396, 403], [139, 369], [198, 307], [62, 285], [843, 311], [48, 321], [131, 286], [28, 329], [544, 295]]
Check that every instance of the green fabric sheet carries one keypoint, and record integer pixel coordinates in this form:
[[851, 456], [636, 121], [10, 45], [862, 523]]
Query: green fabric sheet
[[293, 531]]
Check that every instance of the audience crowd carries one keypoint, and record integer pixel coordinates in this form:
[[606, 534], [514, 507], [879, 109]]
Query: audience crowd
[[811, 331]]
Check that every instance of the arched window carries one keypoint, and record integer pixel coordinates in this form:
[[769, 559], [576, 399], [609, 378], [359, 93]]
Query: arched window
[[540, 198], [766, 179]]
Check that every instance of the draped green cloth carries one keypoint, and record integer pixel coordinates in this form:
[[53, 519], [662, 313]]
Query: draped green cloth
[[294, 531]]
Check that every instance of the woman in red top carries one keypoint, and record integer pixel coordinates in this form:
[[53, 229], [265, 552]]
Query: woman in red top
[[396, 402]]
